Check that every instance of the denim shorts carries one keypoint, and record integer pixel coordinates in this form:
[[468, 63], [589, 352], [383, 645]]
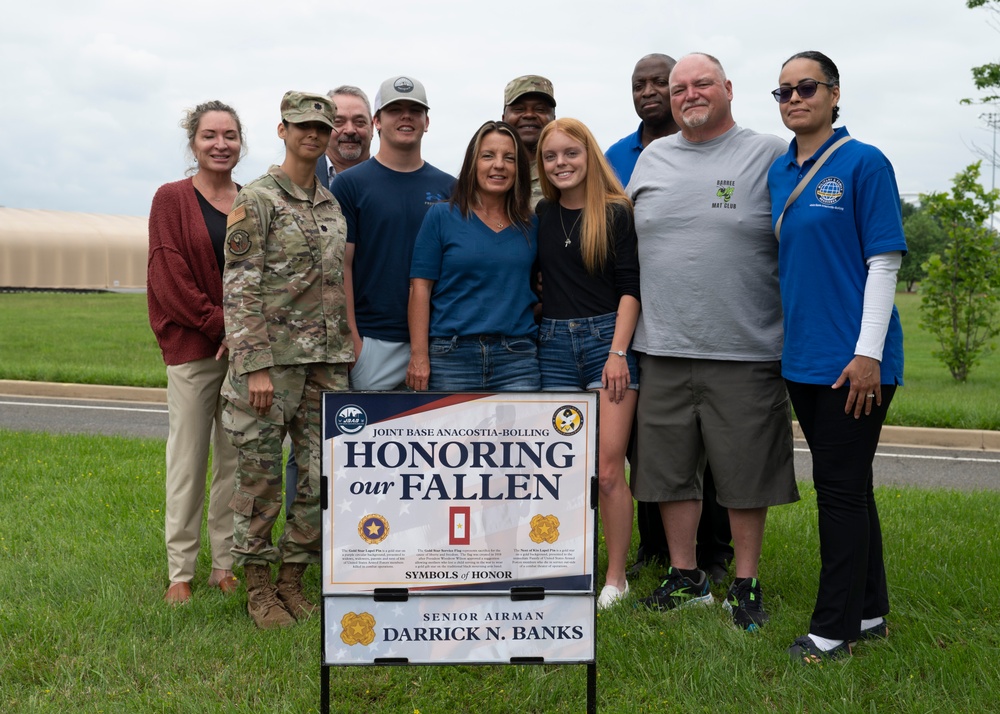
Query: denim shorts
[[492, 363], [572, 353]]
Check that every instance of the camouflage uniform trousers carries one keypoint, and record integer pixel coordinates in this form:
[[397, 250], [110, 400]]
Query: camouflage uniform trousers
[[256, 501]]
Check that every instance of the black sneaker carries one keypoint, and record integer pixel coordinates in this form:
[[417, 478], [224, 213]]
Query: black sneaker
[[745, 603], [678, 591], [875, 632], [804, 650], [645, 562], [717, 573]]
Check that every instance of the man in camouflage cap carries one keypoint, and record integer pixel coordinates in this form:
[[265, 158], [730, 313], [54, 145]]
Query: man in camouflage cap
[[529, 103], [286, 329]]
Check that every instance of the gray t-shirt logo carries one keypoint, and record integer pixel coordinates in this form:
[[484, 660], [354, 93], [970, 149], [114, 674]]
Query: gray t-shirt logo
[[725, 192]]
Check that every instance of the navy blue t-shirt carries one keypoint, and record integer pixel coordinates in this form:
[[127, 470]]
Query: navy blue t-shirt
[[384, 210]]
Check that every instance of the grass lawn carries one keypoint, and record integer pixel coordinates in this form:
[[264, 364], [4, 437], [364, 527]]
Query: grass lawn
[[105, 339], [88, 338], [930, 396], [83, 627]]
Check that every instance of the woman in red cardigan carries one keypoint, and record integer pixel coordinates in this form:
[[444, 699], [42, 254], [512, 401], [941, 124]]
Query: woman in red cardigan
[[187, 229]]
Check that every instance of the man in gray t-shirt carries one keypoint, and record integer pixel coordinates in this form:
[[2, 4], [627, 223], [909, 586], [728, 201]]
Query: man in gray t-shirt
[[710, 331]]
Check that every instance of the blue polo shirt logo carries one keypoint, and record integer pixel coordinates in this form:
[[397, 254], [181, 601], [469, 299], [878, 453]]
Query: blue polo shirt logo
[[830, 190]]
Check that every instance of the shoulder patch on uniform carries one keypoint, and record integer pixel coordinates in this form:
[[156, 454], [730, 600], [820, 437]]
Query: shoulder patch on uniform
[[236, 216], [239, 242]]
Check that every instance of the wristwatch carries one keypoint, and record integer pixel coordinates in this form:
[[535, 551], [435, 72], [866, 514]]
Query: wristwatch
[[616, 352]]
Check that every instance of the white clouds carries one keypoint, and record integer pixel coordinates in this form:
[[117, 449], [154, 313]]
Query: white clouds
[[94, 92]]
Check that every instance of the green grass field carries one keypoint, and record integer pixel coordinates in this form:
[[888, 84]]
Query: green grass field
[[83, 627], [89, 338], [930, 397], [105, 339]]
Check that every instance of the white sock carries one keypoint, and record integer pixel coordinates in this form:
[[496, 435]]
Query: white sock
[[823, 643], [865, 624]]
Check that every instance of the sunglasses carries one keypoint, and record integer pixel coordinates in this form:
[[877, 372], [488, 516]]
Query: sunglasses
[[806, 88]]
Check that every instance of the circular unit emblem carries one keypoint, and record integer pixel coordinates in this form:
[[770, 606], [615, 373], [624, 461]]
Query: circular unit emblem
[[373, 528], [351, 419], [567, 420], [239, 242], [830, 190], [403, 85]]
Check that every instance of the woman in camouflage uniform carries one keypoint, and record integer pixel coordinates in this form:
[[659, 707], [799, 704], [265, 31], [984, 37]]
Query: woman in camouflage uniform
[[286, 329]]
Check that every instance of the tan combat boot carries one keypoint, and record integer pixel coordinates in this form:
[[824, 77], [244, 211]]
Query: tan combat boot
[[290, 591], [262, 599]]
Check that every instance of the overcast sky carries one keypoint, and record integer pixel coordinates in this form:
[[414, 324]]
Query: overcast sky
[[93, 91]]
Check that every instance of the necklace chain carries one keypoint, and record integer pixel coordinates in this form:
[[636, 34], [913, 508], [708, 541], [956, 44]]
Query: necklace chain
[[571, 228], [499, 223]]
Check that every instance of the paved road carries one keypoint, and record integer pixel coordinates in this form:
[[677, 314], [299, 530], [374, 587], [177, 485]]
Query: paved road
[[83, 416], [895, 465]]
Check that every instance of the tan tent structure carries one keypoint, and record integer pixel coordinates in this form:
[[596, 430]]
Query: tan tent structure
[[78, 251]]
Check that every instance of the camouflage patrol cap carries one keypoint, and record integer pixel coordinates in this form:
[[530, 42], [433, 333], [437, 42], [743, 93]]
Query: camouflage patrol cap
[[299, 107], [398, 89], [528, 84]]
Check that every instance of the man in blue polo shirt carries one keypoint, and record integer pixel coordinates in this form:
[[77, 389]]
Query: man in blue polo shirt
[[651, 97]]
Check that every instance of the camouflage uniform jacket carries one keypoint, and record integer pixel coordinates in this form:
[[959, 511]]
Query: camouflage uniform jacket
[[283, 285], [536, 187]]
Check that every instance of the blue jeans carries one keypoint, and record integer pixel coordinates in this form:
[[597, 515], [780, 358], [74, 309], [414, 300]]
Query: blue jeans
[[572, 353], [494, 363]]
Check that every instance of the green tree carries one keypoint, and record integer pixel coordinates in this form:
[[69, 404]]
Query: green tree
[[924, 238], [986, 76], [960, 305]]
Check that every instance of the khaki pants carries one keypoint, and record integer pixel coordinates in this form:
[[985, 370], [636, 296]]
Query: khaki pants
[[194, 411]]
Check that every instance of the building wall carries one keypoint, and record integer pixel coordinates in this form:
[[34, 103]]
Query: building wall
[[61, 249]]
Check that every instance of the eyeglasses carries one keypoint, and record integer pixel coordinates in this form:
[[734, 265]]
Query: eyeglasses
[[806, 88]]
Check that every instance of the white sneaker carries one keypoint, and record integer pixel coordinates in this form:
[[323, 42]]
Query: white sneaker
[[610, 595]]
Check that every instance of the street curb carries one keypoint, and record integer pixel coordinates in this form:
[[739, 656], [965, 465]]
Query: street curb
[[921, 436], [962, 439], [19, 388]]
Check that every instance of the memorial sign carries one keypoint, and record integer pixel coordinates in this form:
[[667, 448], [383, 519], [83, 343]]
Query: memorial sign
[[459, 492]]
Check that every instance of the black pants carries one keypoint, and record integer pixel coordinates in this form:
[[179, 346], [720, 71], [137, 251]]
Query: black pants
[[852, 582]]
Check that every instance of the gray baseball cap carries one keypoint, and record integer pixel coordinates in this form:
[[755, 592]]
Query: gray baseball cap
[[397, 89]]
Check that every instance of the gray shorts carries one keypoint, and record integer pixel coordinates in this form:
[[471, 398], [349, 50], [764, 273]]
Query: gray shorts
[[381, 366], [734, 415]]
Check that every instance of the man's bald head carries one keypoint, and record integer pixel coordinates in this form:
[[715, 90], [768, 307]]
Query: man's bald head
[[651, 89]]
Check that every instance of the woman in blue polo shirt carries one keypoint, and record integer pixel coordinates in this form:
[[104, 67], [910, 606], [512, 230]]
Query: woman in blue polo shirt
[[470, 313], [841, 243]]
